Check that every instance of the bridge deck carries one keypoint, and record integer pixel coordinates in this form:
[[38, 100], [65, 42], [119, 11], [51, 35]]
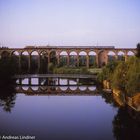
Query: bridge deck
[[56, 76]]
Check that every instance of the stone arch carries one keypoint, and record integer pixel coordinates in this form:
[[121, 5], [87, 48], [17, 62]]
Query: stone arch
[[43, 62], [121, 56], [34, 61], [111, 53], [130, 53], [34, 53], [5, 54], [82, 58], [121, 53], [24, 53], [111, 56], [73, 58], [74, 53], [16, 53], [63, 58], [92, 53], [92, 58], [63, 53], [25, 61], [82, 53]]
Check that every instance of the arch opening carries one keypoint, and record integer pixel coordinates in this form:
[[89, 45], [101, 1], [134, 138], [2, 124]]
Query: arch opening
[[73, 59], [34, 62], [92, 59], [63, 58], [43, 62], [111, 56], [121, 56], [82, 58]]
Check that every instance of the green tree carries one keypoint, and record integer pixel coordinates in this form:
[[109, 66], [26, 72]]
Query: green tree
[[138, 50], [118, 79]]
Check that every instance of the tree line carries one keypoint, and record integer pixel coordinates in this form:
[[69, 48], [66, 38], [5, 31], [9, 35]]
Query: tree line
[[124, 76]]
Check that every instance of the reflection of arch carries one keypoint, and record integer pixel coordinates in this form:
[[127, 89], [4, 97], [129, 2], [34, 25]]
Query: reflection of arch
[[25, 81], [73, 88], [63, 88], [63, 81], [34, 81], [92, 88], [82, 88], [72, 82], [25, 88], [34, 88]]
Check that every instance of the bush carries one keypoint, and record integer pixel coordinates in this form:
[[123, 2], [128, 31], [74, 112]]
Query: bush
[[8, 68]]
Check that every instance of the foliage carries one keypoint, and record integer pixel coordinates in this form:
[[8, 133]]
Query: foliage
[[8, 68], [138, 50], [107, 71], [118, 79], [51, 67], [133, 76], [123, 75]]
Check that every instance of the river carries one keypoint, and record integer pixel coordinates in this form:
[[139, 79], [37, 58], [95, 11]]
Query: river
[[85, 113]]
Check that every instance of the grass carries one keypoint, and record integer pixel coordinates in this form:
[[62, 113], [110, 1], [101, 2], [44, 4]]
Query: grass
[[74, 70]]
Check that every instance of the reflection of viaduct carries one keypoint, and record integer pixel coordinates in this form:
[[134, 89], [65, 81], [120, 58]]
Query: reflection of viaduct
[[100, 53], [57, 90], [54, 86]]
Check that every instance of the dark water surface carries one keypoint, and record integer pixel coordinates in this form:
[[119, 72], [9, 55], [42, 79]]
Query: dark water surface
[[59, 117], [65, 117]]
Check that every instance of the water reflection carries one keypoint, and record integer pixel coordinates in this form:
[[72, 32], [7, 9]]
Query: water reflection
[[125, 126], [7, 97], [126, 122], [59, 85], [66, 117]]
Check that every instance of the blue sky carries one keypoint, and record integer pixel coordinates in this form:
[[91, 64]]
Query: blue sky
[[69, 22]]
